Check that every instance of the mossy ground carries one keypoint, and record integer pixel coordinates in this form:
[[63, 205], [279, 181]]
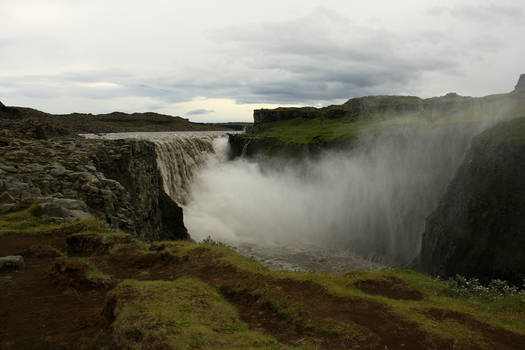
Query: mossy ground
[[183, 295], [26, 221], [325, 130]]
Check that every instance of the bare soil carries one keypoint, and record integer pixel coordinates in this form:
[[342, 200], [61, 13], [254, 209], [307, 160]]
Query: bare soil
[[391, 287], [38, 311]]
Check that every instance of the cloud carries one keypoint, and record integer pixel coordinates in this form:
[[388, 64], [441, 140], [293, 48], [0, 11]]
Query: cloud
[[303, 55], [200, 111], [324, 57], [483, 13]]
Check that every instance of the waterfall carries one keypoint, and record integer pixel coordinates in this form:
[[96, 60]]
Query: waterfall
[[179, 155], [178, 159]]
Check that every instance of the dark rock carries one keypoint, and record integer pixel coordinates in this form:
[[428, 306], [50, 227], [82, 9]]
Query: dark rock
[[15, 262], [155, 216], [6, 198], [10, 207], [478, 228], [69, 210], [351, 109]]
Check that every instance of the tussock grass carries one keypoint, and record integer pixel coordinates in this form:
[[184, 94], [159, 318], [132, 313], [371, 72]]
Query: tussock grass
[[181, 314], [505, 311]]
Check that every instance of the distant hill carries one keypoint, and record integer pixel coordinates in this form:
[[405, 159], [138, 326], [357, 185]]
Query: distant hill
[[28, 122]]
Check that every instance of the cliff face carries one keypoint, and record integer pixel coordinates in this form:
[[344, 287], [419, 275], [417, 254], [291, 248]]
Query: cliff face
[[350, 109], [118, 180], [478, 228], [134, 164], [520, 87]]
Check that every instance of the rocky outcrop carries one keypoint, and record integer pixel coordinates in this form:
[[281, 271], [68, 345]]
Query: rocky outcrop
[[134, 164], [478, 228], [119, 181], [353, 108], [14, 262], [249, 145], [273, 115], [519, 90]]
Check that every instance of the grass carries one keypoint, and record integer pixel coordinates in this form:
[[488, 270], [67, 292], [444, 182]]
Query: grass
[[93, 272], [27, 222], [502, 311], [321, 130], [188, 313], [181, 314]]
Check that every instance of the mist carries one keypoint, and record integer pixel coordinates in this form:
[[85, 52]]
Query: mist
[[372, 199]]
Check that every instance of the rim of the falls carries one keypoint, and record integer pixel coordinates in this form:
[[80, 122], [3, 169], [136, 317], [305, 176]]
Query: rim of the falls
[[180, 154]]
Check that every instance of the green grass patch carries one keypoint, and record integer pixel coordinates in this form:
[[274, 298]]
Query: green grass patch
[[93, 272], [182, 314], [505, 311], [27, 222], [322, 130]]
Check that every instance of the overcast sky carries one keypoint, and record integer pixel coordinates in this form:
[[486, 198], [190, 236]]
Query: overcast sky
[[211, 60]]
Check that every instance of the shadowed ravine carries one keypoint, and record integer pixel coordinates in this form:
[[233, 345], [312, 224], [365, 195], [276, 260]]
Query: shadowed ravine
[[357, 205], [361, 207]]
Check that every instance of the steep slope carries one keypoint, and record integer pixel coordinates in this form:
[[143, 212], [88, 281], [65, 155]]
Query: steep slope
[[308, 130], [479, 227]]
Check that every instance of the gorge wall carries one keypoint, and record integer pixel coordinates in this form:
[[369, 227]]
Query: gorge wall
[[478, 228], [118, 180], [134, 164]]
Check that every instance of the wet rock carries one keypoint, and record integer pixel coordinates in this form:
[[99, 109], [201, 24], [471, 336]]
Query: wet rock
[[14, 262]]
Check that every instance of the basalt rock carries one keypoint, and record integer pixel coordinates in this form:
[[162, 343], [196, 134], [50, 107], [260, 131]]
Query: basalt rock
[[134, 164], [119, 182], [15, 262], [478, 228]]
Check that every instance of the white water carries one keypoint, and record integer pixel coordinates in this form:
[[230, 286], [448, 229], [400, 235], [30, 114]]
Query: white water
[[179, 155], [342, 211], [371, 201]]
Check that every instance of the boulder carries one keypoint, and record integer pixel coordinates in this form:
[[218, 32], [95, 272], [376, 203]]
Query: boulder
[[67, 210], [14, 262], [6, 198]]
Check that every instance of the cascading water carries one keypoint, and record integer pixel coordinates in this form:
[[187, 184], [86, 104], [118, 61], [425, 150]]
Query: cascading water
[[179, 156], [371, 200], [341, 211], [178, 159]]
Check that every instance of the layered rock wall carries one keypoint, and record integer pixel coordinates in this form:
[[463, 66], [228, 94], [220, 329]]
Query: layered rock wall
[[118, 180], [134, 163]]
